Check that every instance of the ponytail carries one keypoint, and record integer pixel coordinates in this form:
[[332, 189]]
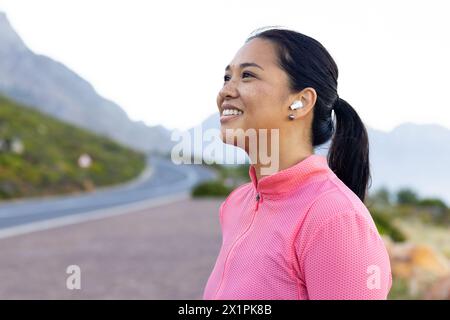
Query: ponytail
[[348, 156]]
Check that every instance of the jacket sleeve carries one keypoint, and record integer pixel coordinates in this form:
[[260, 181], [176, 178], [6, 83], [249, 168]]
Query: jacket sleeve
[[346, 258]]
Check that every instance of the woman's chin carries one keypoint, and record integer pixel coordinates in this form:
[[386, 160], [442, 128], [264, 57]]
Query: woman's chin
[[229, 132], [233, 136]]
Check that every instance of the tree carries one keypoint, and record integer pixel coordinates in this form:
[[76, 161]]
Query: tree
[[406, 196]]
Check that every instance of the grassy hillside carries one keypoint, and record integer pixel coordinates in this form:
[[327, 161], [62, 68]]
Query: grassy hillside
[[40, 155]]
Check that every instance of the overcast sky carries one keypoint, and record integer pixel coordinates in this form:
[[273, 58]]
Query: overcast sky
[[163, 62]]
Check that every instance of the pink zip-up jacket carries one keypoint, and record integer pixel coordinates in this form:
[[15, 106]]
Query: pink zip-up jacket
[[299, 233]]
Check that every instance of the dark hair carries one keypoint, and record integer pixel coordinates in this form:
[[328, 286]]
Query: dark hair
[[308, 64]]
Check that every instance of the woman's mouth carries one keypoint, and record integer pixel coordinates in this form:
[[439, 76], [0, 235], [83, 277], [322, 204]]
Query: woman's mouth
[[230, 114]]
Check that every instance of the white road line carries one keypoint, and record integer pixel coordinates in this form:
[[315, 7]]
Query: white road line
[[91, 215]]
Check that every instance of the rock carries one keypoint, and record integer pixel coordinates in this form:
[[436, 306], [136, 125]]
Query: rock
[[424, 257]]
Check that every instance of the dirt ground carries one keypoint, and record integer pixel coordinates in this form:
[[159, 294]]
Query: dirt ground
[[166, 252]]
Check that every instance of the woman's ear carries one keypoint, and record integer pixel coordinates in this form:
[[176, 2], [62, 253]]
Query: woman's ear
[[308, 97]]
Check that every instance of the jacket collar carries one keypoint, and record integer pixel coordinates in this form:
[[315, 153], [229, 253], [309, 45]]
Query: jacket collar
[[283, 181]]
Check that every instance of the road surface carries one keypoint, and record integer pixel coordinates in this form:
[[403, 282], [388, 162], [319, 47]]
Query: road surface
[[164, 179]]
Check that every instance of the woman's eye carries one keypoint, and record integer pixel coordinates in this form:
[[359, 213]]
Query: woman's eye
[[226, 78]]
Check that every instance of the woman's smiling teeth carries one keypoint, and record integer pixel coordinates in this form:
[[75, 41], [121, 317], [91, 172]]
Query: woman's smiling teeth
[[231, 112]]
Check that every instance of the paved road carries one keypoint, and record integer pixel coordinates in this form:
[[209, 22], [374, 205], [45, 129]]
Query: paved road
[[165, 252], [162, 179]]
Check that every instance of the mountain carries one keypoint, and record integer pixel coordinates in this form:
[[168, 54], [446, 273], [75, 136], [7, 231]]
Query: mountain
[[411, 156], [51, 87]]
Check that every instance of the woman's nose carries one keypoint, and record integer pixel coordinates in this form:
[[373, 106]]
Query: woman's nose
[[229, 89]]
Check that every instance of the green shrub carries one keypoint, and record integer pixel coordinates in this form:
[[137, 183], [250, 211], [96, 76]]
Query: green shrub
[[211, 189], [432, 202], [385, 226], [407, 196]]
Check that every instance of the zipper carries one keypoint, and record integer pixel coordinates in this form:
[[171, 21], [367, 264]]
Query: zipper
[[257, 198]]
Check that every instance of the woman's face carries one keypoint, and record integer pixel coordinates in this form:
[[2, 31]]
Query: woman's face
[[257, 86]]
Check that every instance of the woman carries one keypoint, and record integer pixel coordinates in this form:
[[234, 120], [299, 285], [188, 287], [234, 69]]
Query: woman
[[303, 231]]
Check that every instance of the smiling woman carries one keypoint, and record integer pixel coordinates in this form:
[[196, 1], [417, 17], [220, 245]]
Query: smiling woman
[[302, 232]]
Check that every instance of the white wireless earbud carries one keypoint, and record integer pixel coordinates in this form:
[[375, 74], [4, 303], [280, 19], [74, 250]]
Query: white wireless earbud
[[296, 105]]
